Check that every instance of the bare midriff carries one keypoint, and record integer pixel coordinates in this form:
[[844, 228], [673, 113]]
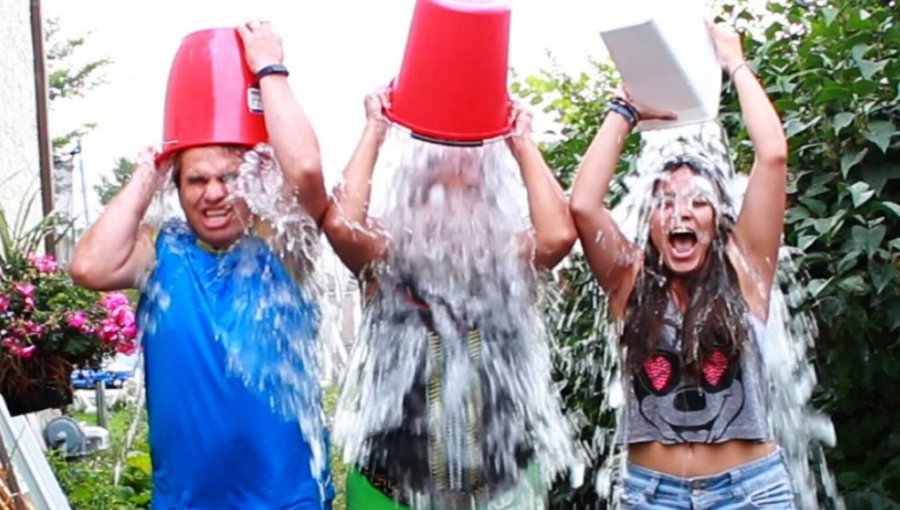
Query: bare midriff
[[690, 460]]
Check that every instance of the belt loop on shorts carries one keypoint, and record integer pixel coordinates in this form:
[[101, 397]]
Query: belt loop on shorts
[[735, 475], [652, 485]]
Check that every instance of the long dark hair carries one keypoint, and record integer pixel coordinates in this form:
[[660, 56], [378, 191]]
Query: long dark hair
[[716, 315]]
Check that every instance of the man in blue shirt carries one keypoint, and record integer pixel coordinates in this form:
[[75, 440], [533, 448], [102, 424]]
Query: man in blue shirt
[[227, 326]]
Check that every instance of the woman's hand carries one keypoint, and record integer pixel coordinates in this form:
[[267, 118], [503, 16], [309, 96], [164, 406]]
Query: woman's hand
[[728, 46], [646, 112]]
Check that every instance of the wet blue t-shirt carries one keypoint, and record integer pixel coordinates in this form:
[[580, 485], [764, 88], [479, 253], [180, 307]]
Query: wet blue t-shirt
[[217, 330]]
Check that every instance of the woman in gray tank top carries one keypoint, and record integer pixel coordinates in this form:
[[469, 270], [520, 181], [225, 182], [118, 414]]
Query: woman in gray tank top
[[692, 302]]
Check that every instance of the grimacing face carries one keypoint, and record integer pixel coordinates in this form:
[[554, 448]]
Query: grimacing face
[[217, 218], [683, 221]]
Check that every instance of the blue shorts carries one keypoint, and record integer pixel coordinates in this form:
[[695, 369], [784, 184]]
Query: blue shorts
[[762, 483]]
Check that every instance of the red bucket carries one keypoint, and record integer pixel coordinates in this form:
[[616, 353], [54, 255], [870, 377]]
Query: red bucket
[[452, 83], [211, 98]]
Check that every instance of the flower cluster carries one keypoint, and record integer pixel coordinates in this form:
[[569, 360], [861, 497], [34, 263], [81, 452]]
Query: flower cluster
[[43, 312]]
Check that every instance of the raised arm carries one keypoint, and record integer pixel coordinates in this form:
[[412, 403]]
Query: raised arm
[[761, 221], [612, 257], [553, 232], [116, 251], [609, 254], [290, 132], [355, 237]]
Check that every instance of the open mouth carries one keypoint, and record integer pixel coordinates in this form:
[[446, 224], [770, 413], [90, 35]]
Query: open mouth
[[682, 240], [217, 218]]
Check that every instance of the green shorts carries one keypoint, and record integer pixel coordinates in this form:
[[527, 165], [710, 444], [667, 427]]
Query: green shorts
[[529, 494]]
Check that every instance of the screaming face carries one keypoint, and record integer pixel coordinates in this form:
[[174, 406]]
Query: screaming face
[[683, 221], [216, 217]]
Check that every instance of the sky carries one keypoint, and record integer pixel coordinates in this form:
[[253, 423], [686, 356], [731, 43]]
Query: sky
[[337, 52]]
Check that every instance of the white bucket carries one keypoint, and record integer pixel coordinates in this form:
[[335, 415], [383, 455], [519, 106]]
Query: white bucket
[[666, 57]]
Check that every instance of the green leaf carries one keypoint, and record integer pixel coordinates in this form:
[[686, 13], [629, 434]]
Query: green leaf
[[842, 120], [815, 287], [878, 175], [868, 239], [851, 159], [855, 284], [880, 132], [894, 244], [860, 192], [804, 242], [829, 13], [894, 208], [859, 51], [847, 262], [882, 275], [832, 91], [795, 126], [868, 68]]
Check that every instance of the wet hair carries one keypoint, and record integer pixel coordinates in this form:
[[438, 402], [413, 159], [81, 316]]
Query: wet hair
[[175, 158], [716, 315]]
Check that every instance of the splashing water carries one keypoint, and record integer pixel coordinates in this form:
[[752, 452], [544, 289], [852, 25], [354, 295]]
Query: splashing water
[[448, 390], [281, 357], [800, 430]]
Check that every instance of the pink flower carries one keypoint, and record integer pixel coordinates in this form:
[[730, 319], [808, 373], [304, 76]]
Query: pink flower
[[123, 316], [109, 330], [77, 319], [33, 329], [114, 300], [27, 292], [4, 303], [25, 352], [15, 346], [43, 263], [129, 332], [127, 348]]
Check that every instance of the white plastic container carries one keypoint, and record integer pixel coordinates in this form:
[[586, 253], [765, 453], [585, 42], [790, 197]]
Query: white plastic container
[[666, 57]]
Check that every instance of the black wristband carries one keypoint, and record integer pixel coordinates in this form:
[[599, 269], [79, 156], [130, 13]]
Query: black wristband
[[271, 69]]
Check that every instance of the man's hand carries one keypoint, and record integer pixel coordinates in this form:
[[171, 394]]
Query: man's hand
[[262, 46], [520, 118], [375, 104]]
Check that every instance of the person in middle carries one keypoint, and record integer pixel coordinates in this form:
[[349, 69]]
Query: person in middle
[[448, 402]]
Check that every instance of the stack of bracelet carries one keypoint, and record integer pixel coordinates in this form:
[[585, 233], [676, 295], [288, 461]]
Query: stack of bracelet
[[624, 108]]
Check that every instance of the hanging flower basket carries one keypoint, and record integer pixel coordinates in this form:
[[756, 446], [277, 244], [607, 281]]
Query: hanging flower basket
[[35, 383], [48, 325]]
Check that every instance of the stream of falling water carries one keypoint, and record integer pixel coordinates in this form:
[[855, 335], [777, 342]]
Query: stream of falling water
[[799, 429], [291, 347], [448, 390]]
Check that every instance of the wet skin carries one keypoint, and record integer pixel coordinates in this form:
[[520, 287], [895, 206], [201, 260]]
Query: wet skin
[[217, 218], [683, 223], [682, 228]]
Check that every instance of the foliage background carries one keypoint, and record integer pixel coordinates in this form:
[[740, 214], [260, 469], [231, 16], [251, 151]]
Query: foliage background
[[831, 67]]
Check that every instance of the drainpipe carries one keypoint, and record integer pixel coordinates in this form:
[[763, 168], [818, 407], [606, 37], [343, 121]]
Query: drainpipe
[[40, 89]]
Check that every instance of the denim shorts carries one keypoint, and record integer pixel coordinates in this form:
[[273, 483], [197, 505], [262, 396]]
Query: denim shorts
[[762, 483]]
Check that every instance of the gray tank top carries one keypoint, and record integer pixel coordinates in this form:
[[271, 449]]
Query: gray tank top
[[667, 405]]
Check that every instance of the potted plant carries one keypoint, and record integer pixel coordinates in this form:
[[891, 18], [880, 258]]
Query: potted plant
[[48, 325]]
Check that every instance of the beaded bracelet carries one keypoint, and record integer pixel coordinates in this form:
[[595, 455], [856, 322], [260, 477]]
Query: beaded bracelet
[[623, 111]]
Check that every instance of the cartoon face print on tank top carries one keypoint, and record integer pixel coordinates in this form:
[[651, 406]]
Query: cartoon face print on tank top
[[682, 407]]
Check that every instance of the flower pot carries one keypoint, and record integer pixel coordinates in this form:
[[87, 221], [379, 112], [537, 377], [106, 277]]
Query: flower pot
[[34, 384]]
